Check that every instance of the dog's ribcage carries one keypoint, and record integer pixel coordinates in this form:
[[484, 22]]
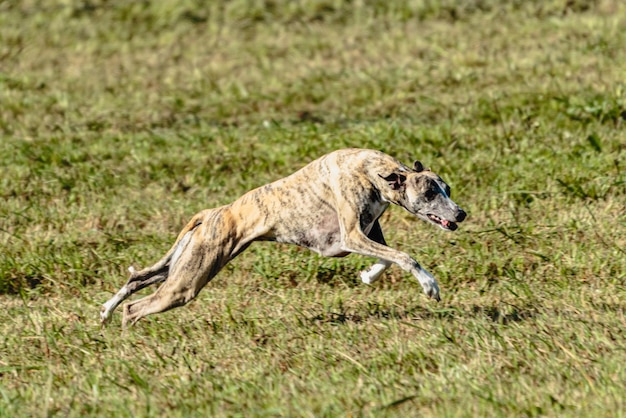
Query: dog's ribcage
[[314, 223]]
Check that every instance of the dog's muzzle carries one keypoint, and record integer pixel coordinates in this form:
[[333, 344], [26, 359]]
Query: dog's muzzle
[[447, 224]]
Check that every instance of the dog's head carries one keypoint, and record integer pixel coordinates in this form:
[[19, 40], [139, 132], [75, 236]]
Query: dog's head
[[424, 194]]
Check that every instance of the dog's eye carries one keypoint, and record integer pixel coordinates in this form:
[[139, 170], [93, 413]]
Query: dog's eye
[[430, 194]]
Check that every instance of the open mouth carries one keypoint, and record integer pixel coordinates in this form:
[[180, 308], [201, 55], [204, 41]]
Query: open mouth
[[444, 223]]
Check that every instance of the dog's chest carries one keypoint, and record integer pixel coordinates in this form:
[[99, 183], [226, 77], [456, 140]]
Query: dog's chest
[[323, 236], [321, 232]]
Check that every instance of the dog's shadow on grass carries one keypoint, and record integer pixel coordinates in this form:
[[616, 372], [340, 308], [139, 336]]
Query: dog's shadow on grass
[[504, 315], [496, 313], [337, 276]]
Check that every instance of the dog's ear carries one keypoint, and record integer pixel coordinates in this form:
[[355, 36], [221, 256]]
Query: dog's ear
[[395, 180], [418, 166]]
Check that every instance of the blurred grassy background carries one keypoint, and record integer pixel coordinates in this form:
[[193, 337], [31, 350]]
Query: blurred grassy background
[[120, 120]]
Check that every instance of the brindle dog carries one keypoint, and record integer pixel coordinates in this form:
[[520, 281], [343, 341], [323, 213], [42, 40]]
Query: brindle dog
[[330, 206]]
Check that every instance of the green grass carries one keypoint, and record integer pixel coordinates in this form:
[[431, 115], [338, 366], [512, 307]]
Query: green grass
[[120, 120]]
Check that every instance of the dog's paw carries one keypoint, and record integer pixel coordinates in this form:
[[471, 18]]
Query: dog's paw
[[105, 315], [429, 284], [433, 292], [373, 273], [367, 277]]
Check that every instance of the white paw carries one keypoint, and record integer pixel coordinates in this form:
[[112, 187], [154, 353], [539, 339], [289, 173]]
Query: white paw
[[105, 315], [432, 291], [106, 311], [373, 273], [367, 277], [429, 284]]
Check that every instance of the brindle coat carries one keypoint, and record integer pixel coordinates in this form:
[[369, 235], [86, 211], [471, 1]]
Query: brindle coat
[[330, 206]]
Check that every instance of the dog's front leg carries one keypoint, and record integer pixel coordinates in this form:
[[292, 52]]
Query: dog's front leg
[[428, 282], [373, 273], [354, 240], [362, 245]]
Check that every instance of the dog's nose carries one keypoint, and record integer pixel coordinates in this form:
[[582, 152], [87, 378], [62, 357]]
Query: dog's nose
[[460, 215]]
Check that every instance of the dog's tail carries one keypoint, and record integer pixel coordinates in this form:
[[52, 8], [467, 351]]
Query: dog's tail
[[163, 266]]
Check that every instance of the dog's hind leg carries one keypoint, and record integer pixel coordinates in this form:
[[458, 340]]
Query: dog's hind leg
[[198, 262], [182, 285], [136, 282], [374, 272], [148, 276]]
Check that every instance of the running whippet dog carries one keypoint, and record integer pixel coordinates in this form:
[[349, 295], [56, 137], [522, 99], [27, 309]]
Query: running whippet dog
[[330, 206]]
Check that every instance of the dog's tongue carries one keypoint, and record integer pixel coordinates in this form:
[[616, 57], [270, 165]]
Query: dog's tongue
[[451, 226]]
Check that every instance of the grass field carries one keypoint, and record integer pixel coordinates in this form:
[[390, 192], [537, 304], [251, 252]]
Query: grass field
[[120, 120]]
